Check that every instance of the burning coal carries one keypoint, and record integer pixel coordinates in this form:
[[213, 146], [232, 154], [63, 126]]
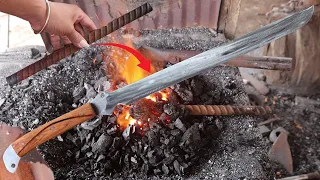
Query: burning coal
[[123, 69]]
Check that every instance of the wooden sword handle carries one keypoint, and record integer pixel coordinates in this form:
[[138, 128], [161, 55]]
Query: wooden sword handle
[[52, 129]]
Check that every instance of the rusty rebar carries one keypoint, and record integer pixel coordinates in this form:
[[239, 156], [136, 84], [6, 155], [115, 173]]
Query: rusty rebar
[[227, 110], [67, 50]]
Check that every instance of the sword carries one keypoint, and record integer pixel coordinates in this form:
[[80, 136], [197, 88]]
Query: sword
[[105, 102]]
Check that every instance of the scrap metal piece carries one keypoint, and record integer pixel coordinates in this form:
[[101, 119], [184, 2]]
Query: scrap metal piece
[[280, 152], [227, 110], [69, 49]]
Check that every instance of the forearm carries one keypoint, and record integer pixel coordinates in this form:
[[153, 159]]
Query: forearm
[[33, 11]]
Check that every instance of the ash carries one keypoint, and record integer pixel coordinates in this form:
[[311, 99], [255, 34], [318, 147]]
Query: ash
[[187, 146]]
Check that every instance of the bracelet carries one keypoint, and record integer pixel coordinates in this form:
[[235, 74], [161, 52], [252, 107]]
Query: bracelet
[[48, 16]]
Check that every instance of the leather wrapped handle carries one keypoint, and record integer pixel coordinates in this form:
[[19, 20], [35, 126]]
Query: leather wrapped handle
[[52, 129]]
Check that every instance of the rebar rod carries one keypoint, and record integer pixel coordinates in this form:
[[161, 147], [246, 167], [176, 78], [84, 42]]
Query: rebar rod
[[227, 110]]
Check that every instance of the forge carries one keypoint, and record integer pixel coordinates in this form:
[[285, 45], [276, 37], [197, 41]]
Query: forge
[[155, 137]]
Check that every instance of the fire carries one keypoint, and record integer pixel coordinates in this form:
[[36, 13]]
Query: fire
[[127, 65], [124, 118], [159, 96], [125, 68]]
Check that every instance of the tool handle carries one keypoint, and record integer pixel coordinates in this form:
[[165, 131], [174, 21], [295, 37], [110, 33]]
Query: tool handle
[[52, 129]]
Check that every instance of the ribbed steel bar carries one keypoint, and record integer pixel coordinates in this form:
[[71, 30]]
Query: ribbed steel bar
[[227, 110], [67, 50]]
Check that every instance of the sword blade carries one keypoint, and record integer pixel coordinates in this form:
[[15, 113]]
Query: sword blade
[[106, 102]]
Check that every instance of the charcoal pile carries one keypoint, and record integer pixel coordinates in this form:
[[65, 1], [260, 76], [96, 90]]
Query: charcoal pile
[[168, 142]]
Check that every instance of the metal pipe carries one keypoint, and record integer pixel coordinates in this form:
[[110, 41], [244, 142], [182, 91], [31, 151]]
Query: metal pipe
[[70, 48], [227, 110], [257, 62]]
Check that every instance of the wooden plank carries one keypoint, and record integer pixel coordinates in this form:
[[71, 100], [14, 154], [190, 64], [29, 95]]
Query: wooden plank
[[229, 14]]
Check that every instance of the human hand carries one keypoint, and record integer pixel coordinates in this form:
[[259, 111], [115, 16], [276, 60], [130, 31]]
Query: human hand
[[66, 22]]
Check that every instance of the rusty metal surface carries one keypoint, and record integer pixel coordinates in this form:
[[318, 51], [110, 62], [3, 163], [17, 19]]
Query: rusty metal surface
[[70, 48], [227, 110], [167, 13]]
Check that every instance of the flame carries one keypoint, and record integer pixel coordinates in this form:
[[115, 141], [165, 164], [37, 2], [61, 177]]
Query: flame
[[128, 70], [124, 119], [127, 65], [161, 95]]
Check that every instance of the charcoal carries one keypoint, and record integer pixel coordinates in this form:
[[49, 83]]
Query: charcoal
[[166, 141], [51, 96], [155, 127], [145, 109], [91, 93], [88, 138], [83, 135], [102, 144], [171, 126], [2, 100], [177, 167], [191, 139], [145, 168], [134, 160], [102, 84], [108, 166], [35, 53], [89, 154], [157, 171], [24, 84], [165, 169], [178, 124], [116, 156], [168, 160], [112, 120], [116, 143], [60, 138], [85, 149], [78, 93], [164, 118], [219, 124], [77, 154], [185, 94], [90, 125], [175, 132], [7, 107], [101, 158], [153, 138], [206, 99], [153, 160], [197, 86], [171, 110]]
